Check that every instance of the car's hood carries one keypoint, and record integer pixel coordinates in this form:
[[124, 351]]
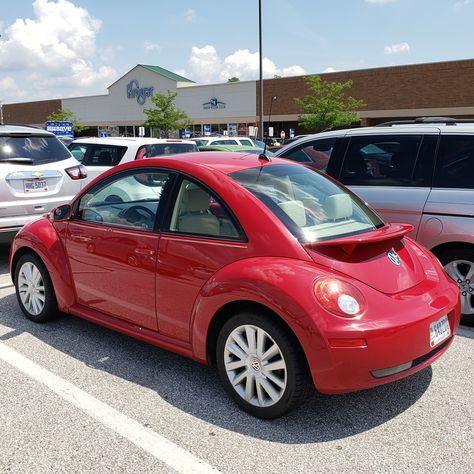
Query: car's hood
[[383, 259]]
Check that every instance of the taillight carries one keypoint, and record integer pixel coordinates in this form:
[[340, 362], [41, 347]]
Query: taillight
[[339, 297], [77, 172]]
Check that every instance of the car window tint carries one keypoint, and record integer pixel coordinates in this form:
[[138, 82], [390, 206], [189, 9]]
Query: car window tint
[[224, 142], [78, 151], [160, 149], [317, 152], [455, 164], [130, 201], [196, 211], [32, 149], [245, 142], [382, 160], [104, 155]]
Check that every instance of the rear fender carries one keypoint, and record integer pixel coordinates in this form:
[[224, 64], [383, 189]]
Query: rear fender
[[42, 238], [283, 285]]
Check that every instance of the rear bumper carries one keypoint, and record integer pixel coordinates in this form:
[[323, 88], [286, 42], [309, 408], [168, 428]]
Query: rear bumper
[[390, 351]]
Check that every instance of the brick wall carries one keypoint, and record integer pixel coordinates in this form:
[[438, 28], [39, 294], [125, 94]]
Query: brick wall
[[30, 112]]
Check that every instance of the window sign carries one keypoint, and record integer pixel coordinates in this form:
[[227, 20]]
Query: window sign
[[207, 129], [292, 133]]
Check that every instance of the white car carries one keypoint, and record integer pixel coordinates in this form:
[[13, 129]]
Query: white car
[[100, 154], [37, 173], [206, 141]]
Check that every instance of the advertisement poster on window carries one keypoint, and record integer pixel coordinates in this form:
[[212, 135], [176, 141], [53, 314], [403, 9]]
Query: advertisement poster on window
[[207, 129]]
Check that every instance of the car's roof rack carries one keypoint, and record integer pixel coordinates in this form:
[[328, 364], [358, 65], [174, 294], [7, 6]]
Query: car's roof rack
[[426, 121]]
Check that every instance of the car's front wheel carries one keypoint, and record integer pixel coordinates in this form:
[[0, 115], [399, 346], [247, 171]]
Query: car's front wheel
[[459, 265], [34, 289], [260, 365]]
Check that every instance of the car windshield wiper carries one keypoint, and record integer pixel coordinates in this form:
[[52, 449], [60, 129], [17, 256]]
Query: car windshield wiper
[[16, 160]]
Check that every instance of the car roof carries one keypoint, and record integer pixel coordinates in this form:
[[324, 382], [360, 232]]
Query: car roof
[[124, 141], [8, 129], [225, 161]]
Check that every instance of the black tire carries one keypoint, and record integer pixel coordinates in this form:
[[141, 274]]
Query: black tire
[[448, 257], [46, 310], [294, 374]]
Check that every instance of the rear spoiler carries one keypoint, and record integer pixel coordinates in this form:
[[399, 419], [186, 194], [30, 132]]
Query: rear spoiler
[[349, 243]]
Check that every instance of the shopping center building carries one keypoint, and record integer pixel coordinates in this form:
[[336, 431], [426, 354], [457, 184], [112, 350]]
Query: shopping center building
[[389, 93]]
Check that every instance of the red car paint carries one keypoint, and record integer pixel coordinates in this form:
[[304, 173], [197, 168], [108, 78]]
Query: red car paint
[[167, 288]]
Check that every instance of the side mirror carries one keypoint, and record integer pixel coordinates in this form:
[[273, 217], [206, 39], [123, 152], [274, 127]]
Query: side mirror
[[60, 213]]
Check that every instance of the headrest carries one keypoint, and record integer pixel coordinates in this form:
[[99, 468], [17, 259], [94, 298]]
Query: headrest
[[197, 200], [338, 206], [295, 210]]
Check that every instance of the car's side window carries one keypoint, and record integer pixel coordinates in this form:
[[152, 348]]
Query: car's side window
[[245, 142], [382, 160], [455, 164], [104, 155], [129, 201], [317, 152], [196, 211], [225, 142], [78, 151]]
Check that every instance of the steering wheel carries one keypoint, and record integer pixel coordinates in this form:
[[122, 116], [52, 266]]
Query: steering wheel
[[138, 215]]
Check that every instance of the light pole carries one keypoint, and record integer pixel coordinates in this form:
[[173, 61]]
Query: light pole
[[260, 59], [270, 114]]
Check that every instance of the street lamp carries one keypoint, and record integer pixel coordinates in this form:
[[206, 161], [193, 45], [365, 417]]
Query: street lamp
[[270, 114]]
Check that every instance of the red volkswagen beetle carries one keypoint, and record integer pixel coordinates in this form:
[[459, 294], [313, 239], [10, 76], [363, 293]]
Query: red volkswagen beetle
[[268, 269]]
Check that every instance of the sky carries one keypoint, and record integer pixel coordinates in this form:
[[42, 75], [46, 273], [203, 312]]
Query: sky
[[69, 48]]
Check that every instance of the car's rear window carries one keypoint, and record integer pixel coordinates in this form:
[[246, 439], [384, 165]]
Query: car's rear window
[[313, 207], [159, 149], [31, 149]]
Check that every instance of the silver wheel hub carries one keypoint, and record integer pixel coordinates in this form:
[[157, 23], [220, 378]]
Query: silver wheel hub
[[462, 272], [255, 365], [31, 288]]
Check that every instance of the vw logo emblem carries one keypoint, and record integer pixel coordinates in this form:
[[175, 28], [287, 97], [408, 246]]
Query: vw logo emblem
[[255, 365], [393, 257]]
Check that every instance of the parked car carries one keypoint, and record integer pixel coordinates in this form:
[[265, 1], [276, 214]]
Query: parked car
[[205, 141], [421, 173], [239, 148], [37, 173], [268, 269], [100, 154]]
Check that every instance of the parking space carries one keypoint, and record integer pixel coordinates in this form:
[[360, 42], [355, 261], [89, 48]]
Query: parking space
[[80, 398]]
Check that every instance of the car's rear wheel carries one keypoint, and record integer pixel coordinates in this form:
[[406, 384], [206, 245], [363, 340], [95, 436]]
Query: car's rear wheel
[[260, 365], [34, 289], [459, 265]]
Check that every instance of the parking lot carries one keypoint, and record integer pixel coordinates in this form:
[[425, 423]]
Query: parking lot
[[76, 397]]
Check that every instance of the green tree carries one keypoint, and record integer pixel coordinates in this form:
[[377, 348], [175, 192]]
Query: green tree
[[66, 115], [165, 117], [327, 106], [233, 79]]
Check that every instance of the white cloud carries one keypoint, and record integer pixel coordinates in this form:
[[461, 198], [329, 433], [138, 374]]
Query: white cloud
[[57, 48], [380, 2], [207, 66], [330, 69], [9, 88], [462, 3], [149, 46], [190, 15], [397, 48]]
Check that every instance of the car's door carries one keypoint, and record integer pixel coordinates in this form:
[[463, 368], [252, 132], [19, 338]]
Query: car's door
[[392, 173], [112, 245], [202, 236]]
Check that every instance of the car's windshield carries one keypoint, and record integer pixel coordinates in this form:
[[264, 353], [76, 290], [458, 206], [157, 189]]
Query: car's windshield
[[32, 149], [310, 205]]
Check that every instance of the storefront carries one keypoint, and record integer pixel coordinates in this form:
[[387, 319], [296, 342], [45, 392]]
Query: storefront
[[390, 93]]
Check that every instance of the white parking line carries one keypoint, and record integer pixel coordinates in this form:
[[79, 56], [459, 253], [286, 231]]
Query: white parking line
[[162, 449]]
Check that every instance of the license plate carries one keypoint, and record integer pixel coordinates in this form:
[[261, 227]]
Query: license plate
[[35, 185], [439, 331]]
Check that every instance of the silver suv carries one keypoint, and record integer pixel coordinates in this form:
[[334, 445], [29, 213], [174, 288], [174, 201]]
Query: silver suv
[[420, 173], [37, 173]]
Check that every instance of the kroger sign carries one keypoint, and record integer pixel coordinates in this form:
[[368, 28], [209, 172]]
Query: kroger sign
[[140, 93]]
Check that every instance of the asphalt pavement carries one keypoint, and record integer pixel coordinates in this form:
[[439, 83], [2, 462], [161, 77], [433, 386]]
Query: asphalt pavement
[[76, 397]]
